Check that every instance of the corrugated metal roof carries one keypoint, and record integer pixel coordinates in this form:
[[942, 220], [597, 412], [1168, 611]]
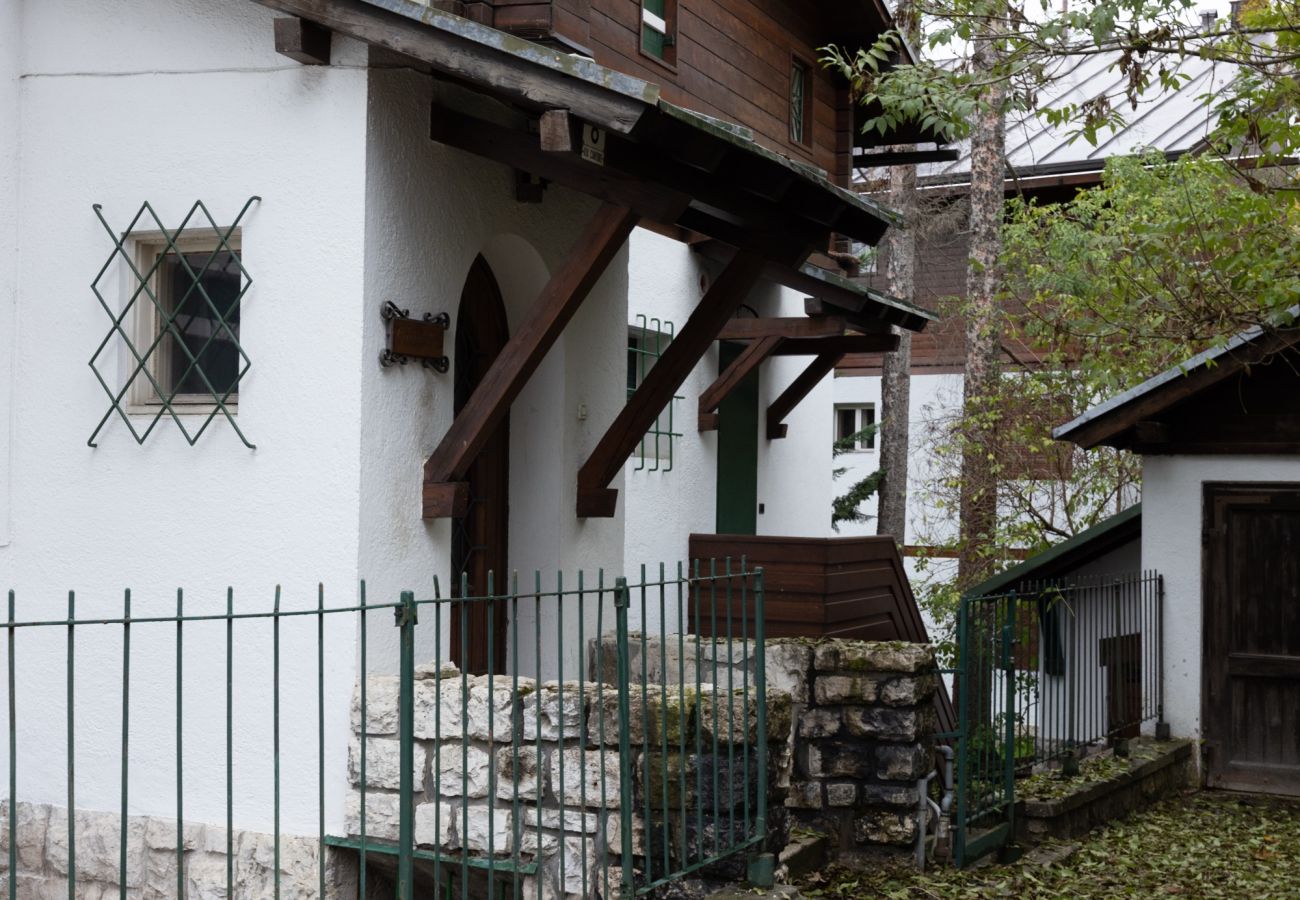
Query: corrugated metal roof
[[1169, 122]]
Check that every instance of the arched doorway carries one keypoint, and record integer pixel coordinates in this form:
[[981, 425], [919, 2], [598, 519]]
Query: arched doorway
[[480, 539]]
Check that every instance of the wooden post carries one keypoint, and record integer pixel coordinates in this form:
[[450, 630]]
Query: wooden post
[[748, 360], [595, 497], [792, 396], [444, 490]]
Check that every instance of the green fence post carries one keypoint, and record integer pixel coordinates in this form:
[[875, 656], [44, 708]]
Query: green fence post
[[406, 618], [624, 739], [1009, 712], [962, 686], [762, 866]]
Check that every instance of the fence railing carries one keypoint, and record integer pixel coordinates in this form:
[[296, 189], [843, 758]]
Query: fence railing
[[1048, 672], [569, 764]]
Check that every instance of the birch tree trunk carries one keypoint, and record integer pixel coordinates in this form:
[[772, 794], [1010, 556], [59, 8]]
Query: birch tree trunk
[[978, 500], [896, 379]]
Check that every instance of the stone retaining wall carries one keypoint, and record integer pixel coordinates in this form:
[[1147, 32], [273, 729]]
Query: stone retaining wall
[[527, 774]]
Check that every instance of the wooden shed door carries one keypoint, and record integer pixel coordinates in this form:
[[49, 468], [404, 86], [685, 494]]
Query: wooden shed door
[[1251, 692]]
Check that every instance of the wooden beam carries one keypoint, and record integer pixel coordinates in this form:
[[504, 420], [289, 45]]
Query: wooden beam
[[536, 79], [850, 343], [604, 235], [792, 396], [730, 378], [793, 327], [595, 497], [815, 308], [303, 41], [555, 131]]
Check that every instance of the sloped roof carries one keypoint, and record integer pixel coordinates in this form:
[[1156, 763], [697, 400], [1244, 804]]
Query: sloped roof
[[1171, 122]]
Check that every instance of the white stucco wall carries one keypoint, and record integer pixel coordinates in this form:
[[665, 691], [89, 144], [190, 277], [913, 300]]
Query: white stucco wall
[[1172, 518], [172, 101], [10, 66], [430, 211]]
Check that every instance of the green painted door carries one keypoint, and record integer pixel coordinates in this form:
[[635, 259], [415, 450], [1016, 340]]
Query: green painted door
[[738, 452]]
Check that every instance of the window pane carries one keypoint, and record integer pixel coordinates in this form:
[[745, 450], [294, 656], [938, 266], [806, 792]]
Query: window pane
[[198, 343], [845, 423], [868, 419], [798, 90]]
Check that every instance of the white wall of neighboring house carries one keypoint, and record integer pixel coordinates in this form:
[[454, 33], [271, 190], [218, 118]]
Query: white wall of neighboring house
[[1172, 511], [172, 101]]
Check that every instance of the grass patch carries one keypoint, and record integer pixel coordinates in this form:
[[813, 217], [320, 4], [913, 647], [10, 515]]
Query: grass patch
[[1206, 845]]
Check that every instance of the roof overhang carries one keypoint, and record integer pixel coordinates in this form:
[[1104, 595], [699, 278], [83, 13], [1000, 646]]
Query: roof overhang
[[670, 165]]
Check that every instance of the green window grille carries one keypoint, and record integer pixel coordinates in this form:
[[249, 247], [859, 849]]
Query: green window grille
[[178, 325], [656, 32], [645, 344], [798, 102]]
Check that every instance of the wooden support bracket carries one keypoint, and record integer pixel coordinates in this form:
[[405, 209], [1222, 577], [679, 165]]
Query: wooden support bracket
[[595, 497], [795, 327], [303, 41], [849, 343], [792, 396], [730, 378], [445, 470]]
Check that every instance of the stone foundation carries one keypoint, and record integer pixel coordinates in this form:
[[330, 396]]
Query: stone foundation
[[151, 859]]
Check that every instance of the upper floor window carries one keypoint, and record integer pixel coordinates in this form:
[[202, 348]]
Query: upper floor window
[[659, 29], [800, 101], [855, 427], [646, 342]]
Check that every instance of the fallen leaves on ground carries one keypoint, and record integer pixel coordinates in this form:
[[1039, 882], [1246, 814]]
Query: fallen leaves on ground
[[1204, 845]]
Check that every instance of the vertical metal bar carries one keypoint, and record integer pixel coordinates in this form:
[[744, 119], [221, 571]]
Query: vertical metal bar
[[682, 718], [126, 731], [13, 763], [517, 829], [645, 717], [681, 693], [72, 779], [230, 768], [625, 812], [406, 617], [1009, 673], [697, 599], [561, 793], [765, 874], [180, 746], [582, 732], [963, 734], [731, 716], [1162, 727], [275, 722], [600, 722], [320, 733], [437, 733], [490, 600]]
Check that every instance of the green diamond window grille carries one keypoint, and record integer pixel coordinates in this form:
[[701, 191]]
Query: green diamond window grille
[[645, 344], [192, 351]]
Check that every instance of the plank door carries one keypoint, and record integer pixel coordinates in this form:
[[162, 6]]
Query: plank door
[[480, 539], [737, 510], [1251, 689]]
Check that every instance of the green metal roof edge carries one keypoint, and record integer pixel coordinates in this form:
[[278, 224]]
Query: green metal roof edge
[[828, 277], [1056, 551], [556, 60]]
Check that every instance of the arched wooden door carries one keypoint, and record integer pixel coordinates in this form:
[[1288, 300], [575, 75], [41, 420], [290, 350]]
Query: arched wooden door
[[480, 539]]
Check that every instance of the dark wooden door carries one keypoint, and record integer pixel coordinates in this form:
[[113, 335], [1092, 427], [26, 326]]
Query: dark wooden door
[[1251, 691], [480, 540], [737, 485]]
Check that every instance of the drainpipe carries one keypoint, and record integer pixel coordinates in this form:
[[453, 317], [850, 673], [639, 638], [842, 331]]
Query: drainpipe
[[925, 805]]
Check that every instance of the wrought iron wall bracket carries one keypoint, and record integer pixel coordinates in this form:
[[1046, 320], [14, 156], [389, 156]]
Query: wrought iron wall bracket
[[410, 339]]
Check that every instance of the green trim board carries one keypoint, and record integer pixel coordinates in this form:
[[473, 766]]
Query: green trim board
[[737, 482], [1086, 545]]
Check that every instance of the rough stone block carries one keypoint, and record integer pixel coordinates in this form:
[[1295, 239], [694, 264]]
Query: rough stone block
[[788, 664], [517, 773], [672, 713], [382, 816], [98, 846], [559, 709], [908, 690], [898, 795], [873, 656], [481, 826], [883, 724], [434, 824], [584, 772], [805, 795], [493, 708], [882, 827], [461, 770], [614, 835], [837, 759], [901, 762], [577, 865], [381, 705], [845, 689], [820, 723], [841, 795], [383, 763], [602, 719], [733, 715]]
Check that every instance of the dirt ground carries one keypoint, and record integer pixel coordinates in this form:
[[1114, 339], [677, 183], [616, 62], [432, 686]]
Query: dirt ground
[[1204, 844]]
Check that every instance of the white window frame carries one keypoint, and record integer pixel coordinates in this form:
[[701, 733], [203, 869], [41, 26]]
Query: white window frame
[[651, 449], [859, 408], [145, 320]]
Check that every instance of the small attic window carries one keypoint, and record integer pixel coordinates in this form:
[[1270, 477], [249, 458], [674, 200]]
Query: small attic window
[[659, 30], [800, 101]]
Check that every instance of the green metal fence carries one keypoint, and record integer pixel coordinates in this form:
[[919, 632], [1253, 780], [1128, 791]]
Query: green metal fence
[[1046, 675], [577, 763]]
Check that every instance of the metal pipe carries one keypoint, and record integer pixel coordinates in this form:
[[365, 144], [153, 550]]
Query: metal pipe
[[922, 816]]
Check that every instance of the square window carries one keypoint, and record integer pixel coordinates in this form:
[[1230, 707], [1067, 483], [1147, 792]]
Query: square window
[[194, 323], [645, 344], [850, 423]]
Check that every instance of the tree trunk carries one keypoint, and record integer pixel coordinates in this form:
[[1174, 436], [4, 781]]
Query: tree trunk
[[978, 502], [896, 380]]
